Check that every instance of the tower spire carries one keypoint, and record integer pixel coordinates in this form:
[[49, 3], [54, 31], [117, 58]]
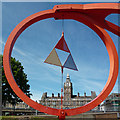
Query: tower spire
[[68, 76]]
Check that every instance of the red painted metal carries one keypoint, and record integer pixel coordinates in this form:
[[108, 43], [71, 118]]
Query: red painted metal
[[62, 114], [61, 98], [88, 14], [62, 69], [62, 45], [62, 88]]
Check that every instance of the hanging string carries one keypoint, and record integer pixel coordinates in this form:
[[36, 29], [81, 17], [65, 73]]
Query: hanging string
[[62, 70], [62, 88], [63, 25], [62, 77]]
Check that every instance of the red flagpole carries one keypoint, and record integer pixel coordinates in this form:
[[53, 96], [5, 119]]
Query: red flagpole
[[62, 88]]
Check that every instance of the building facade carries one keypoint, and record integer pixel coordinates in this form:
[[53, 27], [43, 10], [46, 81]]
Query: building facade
[[69, 100], [111, 103], [20, 105]]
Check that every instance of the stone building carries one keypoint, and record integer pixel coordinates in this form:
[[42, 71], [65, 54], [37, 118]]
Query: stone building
[[69, 100], [19, 105], [111, 103]]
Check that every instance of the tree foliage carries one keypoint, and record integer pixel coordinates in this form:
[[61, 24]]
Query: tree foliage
[[8, 94]]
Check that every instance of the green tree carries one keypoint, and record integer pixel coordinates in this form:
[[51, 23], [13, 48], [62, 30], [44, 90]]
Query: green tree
[[8, 94]]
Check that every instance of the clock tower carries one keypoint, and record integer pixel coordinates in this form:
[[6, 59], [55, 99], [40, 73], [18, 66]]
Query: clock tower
[[68, 91]]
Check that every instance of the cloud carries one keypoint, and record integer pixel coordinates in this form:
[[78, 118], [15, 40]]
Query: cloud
[[93, 84], [36, 95], [19, 51], [88, 85], [14, 48], [50, 89]]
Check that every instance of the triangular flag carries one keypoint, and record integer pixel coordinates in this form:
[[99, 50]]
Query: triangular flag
[[69, 63], [53, 58], [62, 45]]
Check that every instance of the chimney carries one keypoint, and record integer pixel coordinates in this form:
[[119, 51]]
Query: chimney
[[93, 94], [78, 94], [58, 94], [52, 94], [45, 94], [85, 94]]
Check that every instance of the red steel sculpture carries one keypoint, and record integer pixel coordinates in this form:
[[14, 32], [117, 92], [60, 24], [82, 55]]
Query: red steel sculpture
[[92, 15]]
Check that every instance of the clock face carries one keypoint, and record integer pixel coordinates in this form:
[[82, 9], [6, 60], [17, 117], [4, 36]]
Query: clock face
[[67, 84]]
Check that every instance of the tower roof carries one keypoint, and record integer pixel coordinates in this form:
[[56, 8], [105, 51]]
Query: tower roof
[[68, 76]]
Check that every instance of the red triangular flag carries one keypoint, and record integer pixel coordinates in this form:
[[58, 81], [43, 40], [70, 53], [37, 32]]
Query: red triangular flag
[[62, 45]]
